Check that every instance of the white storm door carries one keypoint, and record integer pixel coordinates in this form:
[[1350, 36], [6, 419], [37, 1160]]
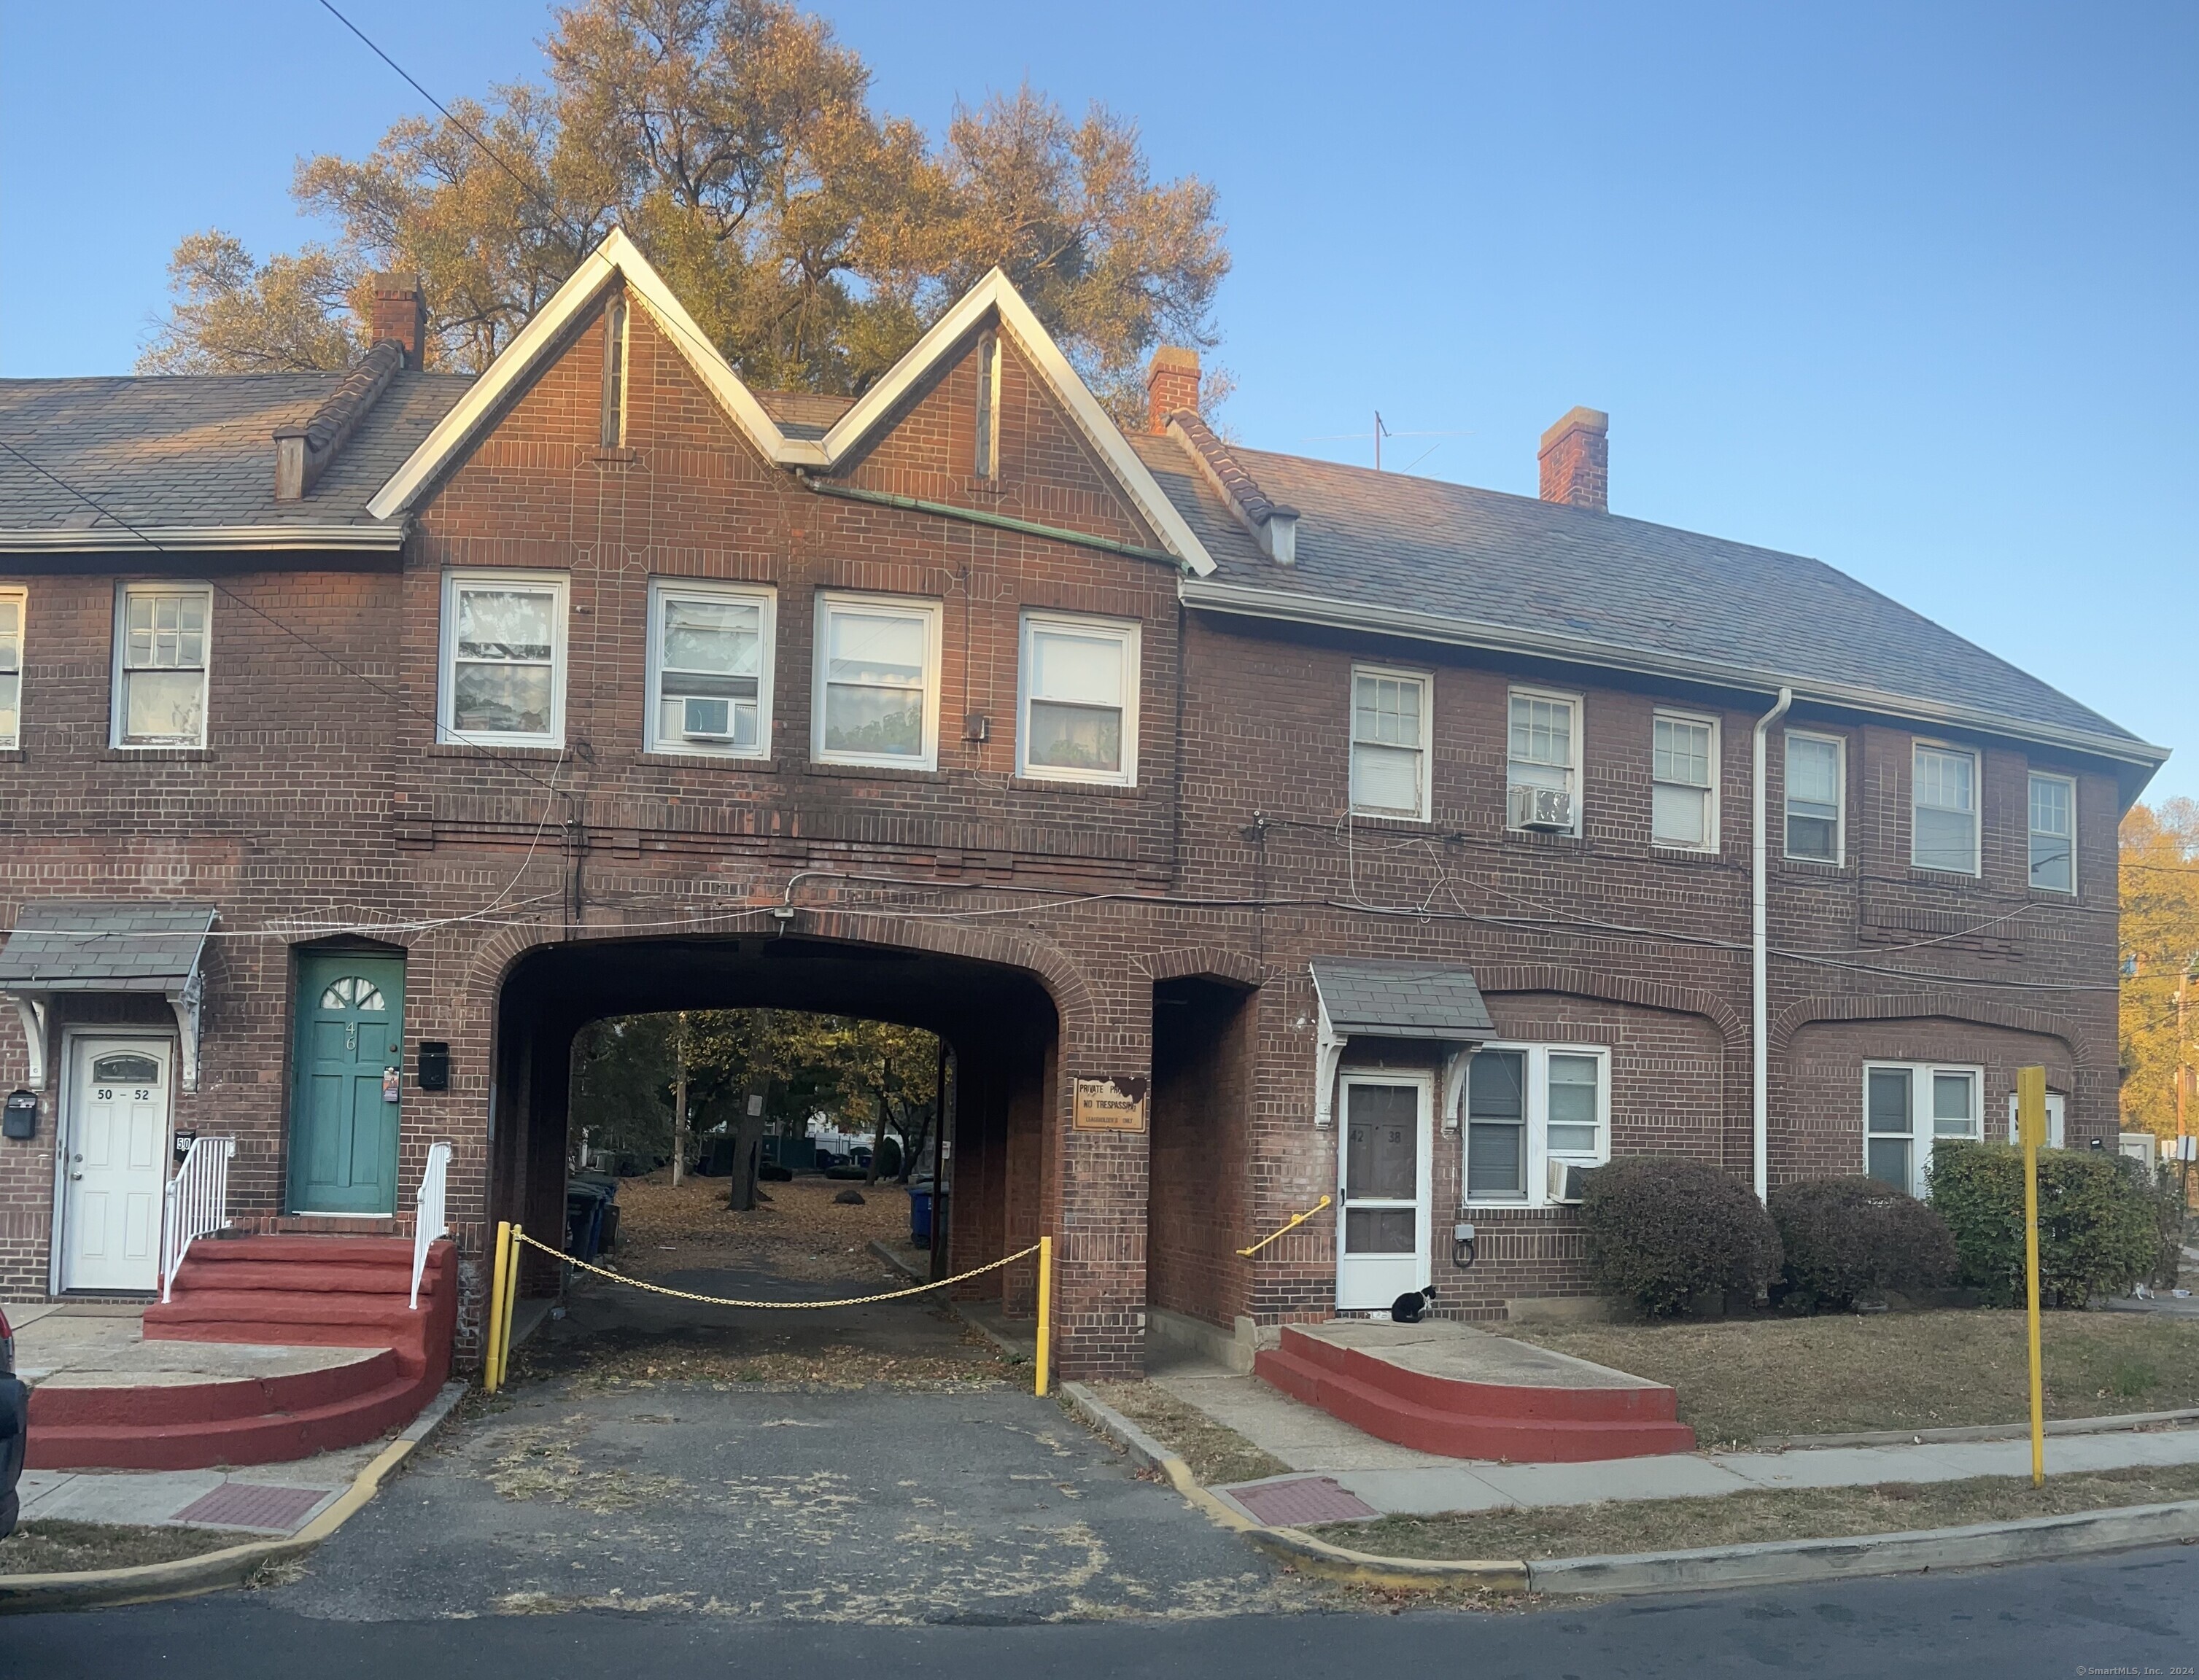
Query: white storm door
[[114, 1163], [2057, 1109], [1382, 1228]]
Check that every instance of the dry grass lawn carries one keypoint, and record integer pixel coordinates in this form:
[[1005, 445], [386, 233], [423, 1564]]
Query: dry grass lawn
[[1215, 1452], [802, 1232], [51, 1548], [1738, 1518], [1747, 1380]]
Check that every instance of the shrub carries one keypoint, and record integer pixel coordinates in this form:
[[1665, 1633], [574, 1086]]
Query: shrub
[[1850, 1239], [889, 1158], [1662, 1232], [2097, 1227]]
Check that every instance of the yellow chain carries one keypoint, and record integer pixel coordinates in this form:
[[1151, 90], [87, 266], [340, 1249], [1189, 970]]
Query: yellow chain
[[722, 1301]]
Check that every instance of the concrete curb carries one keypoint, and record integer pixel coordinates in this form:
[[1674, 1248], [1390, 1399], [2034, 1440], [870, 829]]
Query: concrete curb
[[1301, 1550], [1978, 1432], [233, 1566], [1789, 1562]]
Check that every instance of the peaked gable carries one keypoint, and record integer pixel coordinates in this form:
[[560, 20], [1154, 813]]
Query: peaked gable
[[618, 258]]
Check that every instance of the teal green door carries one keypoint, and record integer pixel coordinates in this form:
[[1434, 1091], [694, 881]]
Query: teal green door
[[343, 1112]]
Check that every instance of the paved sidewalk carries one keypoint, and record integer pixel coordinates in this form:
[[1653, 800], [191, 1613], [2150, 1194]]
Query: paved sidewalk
[[261, 1499], [1398, 1481]]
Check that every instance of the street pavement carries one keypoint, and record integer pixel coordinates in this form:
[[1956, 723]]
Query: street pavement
[[2136, 1614]]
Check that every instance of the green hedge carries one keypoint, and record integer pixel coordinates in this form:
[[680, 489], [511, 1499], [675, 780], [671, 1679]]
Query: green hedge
[[1662, 1233], [2098, 1231], [1850, 1239]]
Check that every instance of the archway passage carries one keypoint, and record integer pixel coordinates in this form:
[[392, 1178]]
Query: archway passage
[[999, 1023]]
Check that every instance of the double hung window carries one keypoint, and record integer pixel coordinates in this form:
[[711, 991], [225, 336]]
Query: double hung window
[[1683, 794], [877, 693], [1942, 831], [161, 634], [1544, 775], [1907, 1107], [12, 604], [1389, 743], [1527, 1106], [710, 665], [2053, 833], [1080, 700], [503, 657], [1816, 797]]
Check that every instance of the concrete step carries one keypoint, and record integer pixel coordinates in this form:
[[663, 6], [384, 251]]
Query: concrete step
[[1576, 1414], [267, 1437], [154, 1401]]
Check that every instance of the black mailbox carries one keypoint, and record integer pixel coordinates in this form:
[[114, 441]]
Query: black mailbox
[[435, 1065], [20, 1115]]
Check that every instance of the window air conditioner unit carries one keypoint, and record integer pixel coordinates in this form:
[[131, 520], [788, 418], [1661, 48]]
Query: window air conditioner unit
[[1566, 1180], [1547, 808], [703, 719]]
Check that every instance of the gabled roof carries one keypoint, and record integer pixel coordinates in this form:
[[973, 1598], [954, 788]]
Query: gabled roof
[[786, 433], [1445, 563], [189, 461]]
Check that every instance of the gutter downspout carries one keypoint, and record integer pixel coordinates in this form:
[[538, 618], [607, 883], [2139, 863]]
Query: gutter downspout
[[1760, 1001]]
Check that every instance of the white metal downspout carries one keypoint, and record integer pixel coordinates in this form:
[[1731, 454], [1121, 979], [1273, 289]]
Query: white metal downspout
[[1760, 1001]]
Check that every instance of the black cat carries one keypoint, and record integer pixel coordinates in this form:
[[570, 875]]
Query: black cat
[[1408, 1308]]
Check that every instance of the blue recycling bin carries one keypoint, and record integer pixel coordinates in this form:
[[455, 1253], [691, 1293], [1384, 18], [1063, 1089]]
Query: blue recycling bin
[[919, 1212]]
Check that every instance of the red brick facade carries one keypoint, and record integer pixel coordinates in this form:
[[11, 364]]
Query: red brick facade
[[1157, 931]]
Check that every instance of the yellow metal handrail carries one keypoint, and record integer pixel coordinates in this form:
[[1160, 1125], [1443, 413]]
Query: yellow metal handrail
[[1297, 1219]]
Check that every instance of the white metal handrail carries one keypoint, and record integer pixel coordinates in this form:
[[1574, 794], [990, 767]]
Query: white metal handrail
[[196, 1203], [427, 1218]]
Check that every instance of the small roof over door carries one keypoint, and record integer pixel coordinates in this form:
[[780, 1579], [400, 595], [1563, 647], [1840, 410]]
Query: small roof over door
[[65, 945], [1402, 1000]]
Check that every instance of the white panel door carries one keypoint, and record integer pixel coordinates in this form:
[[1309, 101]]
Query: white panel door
[[1382, 1225], [114, 1163]]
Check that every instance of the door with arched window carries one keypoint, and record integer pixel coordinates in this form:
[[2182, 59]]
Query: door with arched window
[[346, 1057]]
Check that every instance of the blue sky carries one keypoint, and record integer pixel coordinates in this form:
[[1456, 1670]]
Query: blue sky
[[1908, 289]]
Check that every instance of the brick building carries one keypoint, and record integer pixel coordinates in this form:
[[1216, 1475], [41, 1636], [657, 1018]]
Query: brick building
[[1254, 828]]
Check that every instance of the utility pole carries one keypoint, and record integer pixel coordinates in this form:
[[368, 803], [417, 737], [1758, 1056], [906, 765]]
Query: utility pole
[[679, 1107]]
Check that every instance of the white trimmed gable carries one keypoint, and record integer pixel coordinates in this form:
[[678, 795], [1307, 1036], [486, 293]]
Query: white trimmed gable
[[618, 258]]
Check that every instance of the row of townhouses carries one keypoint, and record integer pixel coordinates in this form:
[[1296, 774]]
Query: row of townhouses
[[1252, 829]]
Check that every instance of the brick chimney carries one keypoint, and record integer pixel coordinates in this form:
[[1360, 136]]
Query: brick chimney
[[1577, 460], [400, 312], [1171, 383]]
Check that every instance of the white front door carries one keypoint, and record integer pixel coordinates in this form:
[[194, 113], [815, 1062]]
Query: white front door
[[114, 1162], [1382, 1226], [2057, 1109]]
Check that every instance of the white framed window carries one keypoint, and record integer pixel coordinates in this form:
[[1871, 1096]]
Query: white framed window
[[161, 636], [1943, 810], [503, 678], [1077, 700], [2053, 833], [15, 606], [876, 698], [710, 664], [1816, 797], [1684, 803], [988, 463], [1528, 1106], [615, 374], [1391, 714], [1543, 778], [1907, 1106]]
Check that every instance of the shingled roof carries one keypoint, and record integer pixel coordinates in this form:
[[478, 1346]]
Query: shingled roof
[[1444, 562], [196, 453], [1402, 1000]]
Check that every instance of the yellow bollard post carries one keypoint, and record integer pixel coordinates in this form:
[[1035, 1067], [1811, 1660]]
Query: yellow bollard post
[[2031, 1127], [510, 1305], [491, 1377], [1045, 1310]]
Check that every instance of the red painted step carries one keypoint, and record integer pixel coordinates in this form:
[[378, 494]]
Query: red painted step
[[1523, 1421], [281, 1291]]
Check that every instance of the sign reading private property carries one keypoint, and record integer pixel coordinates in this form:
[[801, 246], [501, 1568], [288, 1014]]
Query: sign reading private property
[[1102, 1104]]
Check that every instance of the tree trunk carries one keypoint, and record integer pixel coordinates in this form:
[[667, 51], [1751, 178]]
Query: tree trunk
[[879, 1129], [680, 1108], [748, 1134]]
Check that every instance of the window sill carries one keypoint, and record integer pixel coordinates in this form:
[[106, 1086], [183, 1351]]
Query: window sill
[[1921, 876], [617, 458], [1815, 866], [744, 763], [1664, 852], [173, 755], [874, 772], [1538, 837], [503, 749], [1048, 784], [1388, 819]]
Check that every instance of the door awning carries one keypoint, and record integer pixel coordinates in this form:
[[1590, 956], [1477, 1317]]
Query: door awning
[[66, 945], [1395, 1000]]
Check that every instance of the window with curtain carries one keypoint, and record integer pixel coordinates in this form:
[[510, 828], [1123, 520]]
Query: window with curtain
[[878, 700], [1683, 794], [1388, 746], [1944, 810], [503, 657], [160, 681], [1815, 797], [1080, 681], [710, 669]]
